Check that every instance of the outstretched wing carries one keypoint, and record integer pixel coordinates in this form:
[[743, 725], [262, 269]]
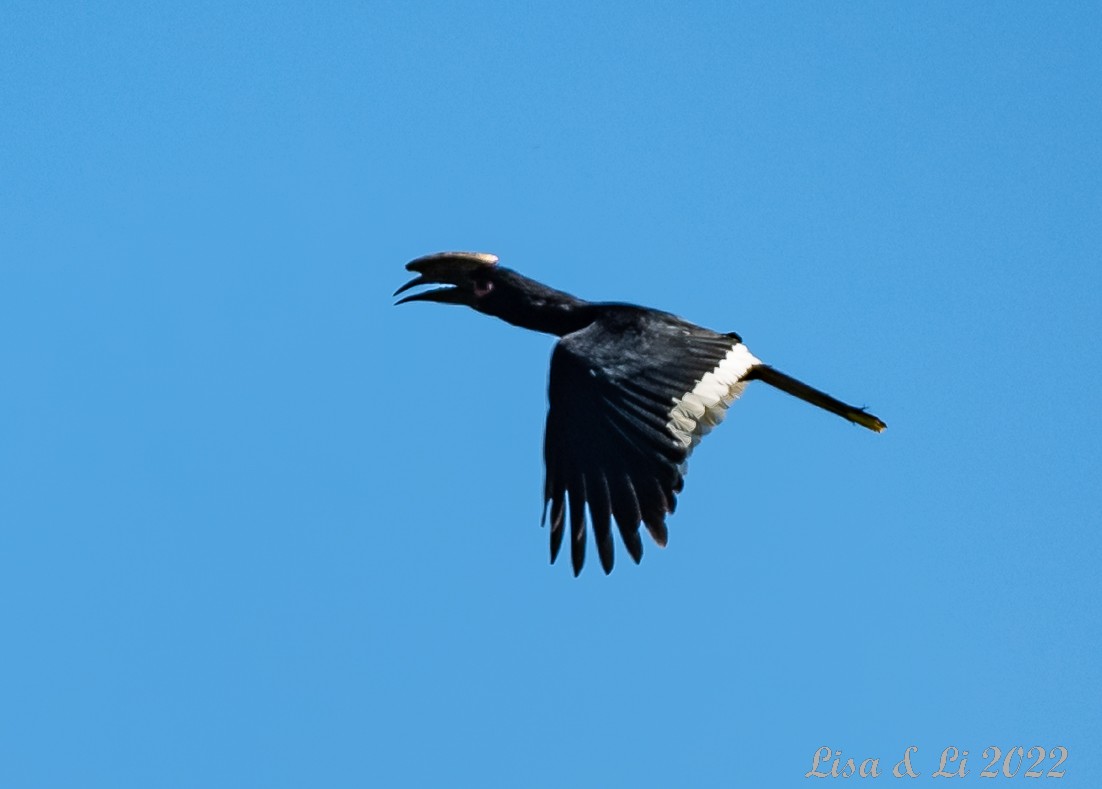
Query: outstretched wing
[[629, 399]]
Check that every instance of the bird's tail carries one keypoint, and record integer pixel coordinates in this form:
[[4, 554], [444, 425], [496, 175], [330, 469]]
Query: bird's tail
[[786, 383]]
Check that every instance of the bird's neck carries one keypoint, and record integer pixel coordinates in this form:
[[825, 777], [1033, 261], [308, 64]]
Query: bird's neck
[[540, 308]]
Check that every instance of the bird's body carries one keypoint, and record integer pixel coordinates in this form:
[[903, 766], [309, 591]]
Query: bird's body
[[632, 391]]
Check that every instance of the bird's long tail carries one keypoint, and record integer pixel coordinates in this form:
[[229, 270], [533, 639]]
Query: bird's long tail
[[786, 383]]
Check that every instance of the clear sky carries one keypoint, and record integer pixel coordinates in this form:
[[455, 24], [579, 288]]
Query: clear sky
[[258, 527]]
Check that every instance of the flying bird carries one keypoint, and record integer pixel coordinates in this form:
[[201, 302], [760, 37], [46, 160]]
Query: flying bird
[[632, 391]]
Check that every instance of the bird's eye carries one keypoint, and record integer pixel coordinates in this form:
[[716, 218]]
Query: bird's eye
[[482, 287]]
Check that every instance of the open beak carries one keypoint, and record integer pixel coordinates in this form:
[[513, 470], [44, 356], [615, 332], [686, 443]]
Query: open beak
[[451, 269], [452, 294]]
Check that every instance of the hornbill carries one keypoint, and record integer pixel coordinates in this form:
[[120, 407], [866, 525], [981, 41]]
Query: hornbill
[[632, 391]]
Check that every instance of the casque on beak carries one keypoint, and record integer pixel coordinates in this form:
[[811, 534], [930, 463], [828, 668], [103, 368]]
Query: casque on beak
[[453, 269]]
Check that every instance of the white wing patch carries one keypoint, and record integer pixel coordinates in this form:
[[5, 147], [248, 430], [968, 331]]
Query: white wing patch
[[695, 413]]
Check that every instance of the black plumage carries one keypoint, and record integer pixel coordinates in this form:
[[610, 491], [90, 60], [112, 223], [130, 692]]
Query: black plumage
[[631, 392]]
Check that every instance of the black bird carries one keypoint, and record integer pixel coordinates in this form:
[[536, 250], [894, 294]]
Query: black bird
[[632, 391]]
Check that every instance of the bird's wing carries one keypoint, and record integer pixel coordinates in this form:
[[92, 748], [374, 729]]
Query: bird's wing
[[628, 402]]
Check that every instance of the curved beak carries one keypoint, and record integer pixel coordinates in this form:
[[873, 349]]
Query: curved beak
[[447, 295], [451, 269]]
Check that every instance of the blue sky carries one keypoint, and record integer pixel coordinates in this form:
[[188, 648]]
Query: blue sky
[[260, 528]]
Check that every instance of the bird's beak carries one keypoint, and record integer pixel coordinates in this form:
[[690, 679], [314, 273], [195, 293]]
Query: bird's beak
[[448, 295], [452, 269]]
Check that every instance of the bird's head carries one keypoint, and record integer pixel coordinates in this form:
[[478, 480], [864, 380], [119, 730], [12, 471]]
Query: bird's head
[[476, 280], [469, 278]]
